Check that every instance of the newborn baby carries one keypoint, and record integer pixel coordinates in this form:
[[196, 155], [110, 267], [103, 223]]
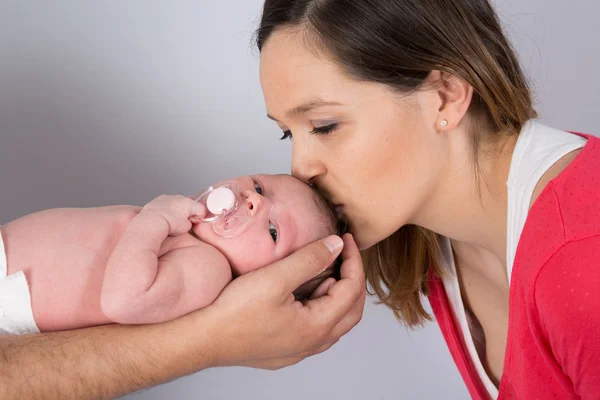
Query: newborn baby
[[133, 265]]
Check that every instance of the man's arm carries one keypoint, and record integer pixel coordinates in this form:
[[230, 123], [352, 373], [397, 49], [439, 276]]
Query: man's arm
[[100, 362], [254, 322]]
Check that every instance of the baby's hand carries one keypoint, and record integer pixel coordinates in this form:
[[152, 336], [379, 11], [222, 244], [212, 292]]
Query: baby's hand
[[179, 212]]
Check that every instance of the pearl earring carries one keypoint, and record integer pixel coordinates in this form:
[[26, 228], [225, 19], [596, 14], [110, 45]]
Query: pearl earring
[[444, 122]]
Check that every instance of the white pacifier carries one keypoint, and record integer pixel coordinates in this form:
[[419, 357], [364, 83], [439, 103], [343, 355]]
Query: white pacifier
[[226, 211], [220, 201]]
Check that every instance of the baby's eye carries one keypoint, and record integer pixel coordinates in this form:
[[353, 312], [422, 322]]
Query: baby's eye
[[273, 232], [258, 188]]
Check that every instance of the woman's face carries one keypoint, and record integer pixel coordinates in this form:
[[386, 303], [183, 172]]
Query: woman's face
[[375, 153]]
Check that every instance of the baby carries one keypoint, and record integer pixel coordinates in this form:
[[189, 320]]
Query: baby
[[135, 265]]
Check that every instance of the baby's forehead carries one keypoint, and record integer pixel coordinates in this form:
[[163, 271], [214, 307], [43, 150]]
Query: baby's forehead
[[284, 185], [289, 187], [292, 190], [283, 179]]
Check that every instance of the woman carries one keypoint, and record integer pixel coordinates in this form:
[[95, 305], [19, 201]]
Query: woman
[[414, 117]]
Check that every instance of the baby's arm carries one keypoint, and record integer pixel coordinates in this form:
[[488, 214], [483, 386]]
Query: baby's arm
[[141, 285]]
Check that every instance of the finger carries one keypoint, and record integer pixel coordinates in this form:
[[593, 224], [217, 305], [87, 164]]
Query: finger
[[352, 275], [194, 209], [351, 319], [195, 219], [305, 263], [330, 309], [326, 346], [353, 269], [352, 279], [344, 294], [352, 284], [323, 288]]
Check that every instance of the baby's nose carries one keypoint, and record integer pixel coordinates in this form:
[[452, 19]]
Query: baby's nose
[[253, 201]]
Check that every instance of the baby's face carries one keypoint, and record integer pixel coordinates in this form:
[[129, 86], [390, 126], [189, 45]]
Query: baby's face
[[285, 217]]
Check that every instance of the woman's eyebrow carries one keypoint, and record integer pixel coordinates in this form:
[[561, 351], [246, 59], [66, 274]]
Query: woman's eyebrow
[[311, 105]]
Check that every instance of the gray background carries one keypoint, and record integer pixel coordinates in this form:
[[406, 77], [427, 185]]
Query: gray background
[[115, 102]]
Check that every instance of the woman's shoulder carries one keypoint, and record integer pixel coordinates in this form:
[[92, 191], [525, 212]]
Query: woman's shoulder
[[567, 211], [573, 205], [576, 192], [571, 201]]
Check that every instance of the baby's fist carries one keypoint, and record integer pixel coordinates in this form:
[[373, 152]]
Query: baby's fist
[[180, 212]]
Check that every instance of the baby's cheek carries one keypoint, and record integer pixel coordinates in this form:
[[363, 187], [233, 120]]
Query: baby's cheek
[[251, 259], [249, 262], [204, 232]]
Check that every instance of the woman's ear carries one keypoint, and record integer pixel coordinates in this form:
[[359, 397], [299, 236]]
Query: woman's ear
[[455, 96]]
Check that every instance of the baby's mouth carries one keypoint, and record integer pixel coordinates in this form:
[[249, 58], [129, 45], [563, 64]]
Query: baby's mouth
[[229, 221], [224, 222]]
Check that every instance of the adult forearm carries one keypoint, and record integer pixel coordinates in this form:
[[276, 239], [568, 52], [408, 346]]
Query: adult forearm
[[99, 362]]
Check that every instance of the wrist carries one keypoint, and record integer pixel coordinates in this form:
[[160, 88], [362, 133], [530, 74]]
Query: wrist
[[195, 340]]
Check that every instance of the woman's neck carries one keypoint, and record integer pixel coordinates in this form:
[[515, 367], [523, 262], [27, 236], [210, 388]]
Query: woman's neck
[[469, 205]]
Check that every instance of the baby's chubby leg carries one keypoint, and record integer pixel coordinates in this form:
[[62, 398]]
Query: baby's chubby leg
[[147, 282]]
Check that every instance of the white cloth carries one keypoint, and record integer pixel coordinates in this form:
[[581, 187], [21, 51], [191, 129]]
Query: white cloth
[[452, 288], [16, 315], [538, 147]]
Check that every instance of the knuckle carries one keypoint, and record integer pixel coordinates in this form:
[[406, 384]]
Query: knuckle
[[180, 199], [322, 333], [358, 317], [359, 291]]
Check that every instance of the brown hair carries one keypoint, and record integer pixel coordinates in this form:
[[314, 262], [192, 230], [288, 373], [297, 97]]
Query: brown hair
[[334, 224], [398, 43]]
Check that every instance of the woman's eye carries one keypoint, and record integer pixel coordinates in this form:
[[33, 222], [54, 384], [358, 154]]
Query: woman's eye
[[258, 188], [273, 232], [286, 135], [324, 130]]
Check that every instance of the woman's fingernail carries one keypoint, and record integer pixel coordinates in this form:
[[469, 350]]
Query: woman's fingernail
[[333, 243]]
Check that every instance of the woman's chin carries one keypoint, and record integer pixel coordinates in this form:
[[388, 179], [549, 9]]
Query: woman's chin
[[366, 238], [363, 241]]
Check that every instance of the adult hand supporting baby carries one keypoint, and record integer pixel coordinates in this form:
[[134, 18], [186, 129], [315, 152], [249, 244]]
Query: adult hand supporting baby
[[254, 322], [258, 324]]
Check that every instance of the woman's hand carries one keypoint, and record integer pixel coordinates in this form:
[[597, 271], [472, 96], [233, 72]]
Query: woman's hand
[[256, 322]]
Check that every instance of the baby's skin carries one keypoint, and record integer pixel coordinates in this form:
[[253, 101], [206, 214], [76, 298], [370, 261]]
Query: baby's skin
[[136, 265]]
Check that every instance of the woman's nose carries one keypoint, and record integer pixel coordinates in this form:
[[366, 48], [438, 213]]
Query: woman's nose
[[306, 165]]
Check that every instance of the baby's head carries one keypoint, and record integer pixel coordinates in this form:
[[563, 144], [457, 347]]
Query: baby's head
[[286, 215]]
